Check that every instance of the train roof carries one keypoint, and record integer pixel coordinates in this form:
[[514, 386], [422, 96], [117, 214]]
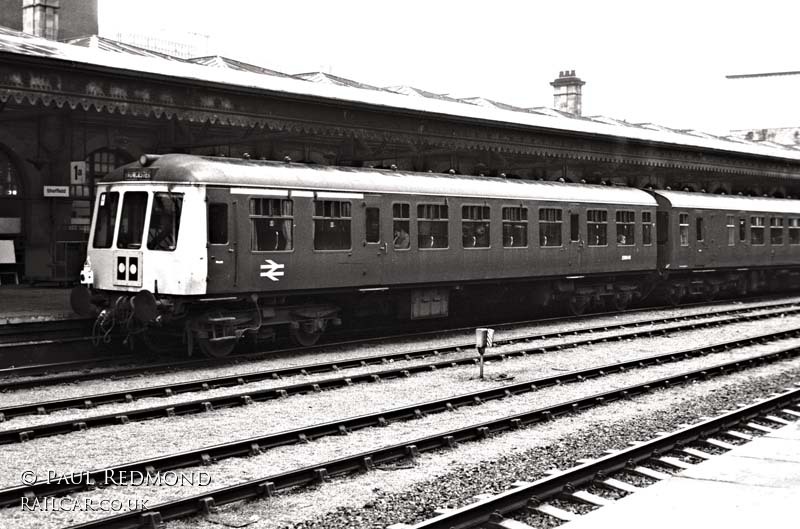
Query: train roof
[[681, 199], [232, 172]]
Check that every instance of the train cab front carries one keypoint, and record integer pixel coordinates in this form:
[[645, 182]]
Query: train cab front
[[145, 251]]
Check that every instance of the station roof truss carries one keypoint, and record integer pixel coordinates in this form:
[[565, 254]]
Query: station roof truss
[[220, 91]]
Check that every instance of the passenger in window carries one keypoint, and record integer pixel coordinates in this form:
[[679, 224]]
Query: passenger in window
[[401, 239], [621, 238]]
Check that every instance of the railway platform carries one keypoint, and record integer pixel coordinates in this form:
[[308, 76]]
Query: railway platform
[[756, 484], [20, 304]]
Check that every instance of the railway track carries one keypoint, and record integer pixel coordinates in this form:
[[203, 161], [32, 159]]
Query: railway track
[[499, 510], [37, 342], [13, 382], [248, 397], [319, 473], [256, 445], [168, 390]]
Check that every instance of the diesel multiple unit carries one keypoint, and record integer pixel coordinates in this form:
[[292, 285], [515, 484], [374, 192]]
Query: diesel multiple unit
[[203, 250]]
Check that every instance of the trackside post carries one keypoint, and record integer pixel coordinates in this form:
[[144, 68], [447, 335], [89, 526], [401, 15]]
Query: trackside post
[[483, 339]]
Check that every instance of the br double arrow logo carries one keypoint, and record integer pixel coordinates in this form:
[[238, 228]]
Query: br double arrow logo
[[272, 269]]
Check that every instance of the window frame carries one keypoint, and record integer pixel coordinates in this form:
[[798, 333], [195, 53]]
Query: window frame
[[406, 220], [283, 218], [730, 227], [433, 221], [522, 221], [630, 224], [145, 219], [756, 228], [773, 229], [341, 218], [549, 223], [647, 228], [683, 229], [794, 230], [590, 223], [485, 220], [179, 214]]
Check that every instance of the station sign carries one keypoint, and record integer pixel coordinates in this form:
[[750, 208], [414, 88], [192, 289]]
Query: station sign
[[77, 173], [56, 191]]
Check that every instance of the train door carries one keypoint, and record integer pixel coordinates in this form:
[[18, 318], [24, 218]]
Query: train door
[[221, 240], [377, 238], [576, 240]]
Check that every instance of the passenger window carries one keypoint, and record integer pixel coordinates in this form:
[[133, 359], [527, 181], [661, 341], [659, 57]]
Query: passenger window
[[131, 222], [372, 219], [165, 221], [776, 231], [742, 230], [699, 231], [332, 225], [575, 227], [432, 222], [647, 228], [596, 227], [401, 220], [475, 226], [794, 230], [626, 226], [683, 228], [218, 223], [756, 230], [550, 227], [271, 224], [730, 224], [106, 219], [515, 227]]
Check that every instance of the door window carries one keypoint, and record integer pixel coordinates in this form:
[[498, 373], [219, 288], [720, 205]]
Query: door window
[[131, 222]]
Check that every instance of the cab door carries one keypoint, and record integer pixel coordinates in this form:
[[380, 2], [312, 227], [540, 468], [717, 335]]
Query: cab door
[[221, 241]]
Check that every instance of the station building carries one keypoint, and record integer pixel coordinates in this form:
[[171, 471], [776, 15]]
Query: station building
[[71, 111]]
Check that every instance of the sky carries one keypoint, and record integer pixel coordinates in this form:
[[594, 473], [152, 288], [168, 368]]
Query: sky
[[658, 62]]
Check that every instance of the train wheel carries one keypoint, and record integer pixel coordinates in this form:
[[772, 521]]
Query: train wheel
[[578, 305], [217, 348], [621, 300], [675, 295], [304, 338]]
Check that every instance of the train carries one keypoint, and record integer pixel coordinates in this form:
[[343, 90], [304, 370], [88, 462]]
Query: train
[[199, 251]]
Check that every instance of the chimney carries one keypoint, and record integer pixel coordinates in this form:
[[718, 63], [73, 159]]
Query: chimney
[[40, 18], [567, 92]]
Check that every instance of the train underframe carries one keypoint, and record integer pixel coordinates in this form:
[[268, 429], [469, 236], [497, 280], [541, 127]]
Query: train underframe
[[214, 325]]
